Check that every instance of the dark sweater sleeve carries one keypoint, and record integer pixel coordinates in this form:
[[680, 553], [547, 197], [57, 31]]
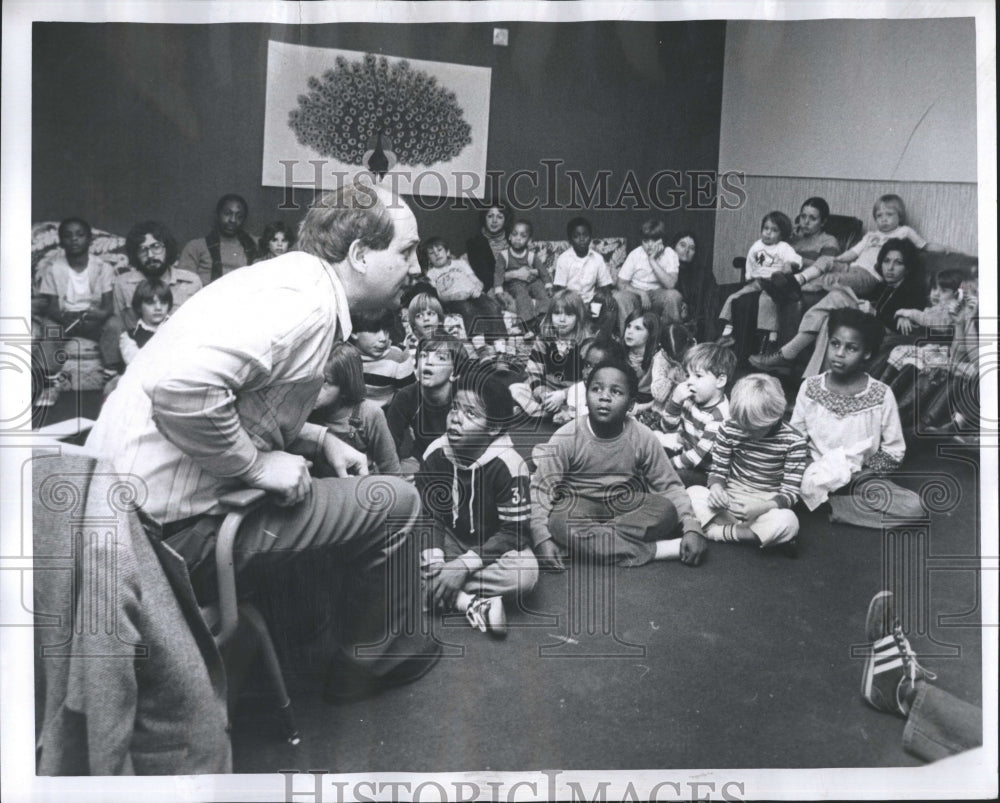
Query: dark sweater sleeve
[[511, 499], [400, 413]]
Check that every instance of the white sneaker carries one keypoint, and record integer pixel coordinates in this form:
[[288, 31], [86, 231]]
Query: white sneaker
[[487, 615]]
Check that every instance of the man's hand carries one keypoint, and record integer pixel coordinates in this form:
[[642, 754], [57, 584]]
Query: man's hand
[[284, 475], [693, 546], [718, 498], [550, 556], [344, 459], [904, 325], [645, 301], [443, 585]]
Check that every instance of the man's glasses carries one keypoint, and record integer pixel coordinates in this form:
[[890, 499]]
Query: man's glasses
[[155, 248]]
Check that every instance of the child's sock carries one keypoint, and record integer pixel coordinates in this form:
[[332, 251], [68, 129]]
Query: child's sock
[[727, 330], [669, 549], [772, 337], [462, 601]]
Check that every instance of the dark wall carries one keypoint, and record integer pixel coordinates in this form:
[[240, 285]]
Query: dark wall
[[135, 121]]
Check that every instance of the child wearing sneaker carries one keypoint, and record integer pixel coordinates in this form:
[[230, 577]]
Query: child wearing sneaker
[[625, 503], [938, 724], [475, 488], [757, 467], [853, 429], [695, 412]]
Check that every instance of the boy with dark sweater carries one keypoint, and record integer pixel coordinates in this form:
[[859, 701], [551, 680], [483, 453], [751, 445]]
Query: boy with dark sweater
[[421, 410], [475, 487], [625, 502]]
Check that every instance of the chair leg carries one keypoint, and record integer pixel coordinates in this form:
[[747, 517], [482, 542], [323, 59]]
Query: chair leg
[[270, 657]]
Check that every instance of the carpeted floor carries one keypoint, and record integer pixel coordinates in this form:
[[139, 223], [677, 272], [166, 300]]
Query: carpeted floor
[[751, 660]]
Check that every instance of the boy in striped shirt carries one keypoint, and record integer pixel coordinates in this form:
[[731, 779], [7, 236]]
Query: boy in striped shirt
[[696, 410], [475, 488], [387, 368], [756, 472]]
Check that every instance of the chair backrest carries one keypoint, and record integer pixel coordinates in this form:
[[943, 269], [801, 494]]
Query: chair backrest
[[846, 229]]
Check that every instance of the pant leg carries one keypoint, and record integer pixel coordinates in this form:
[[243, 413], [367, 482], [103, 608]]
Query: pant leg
[[884, 503], [767, 313], [670, 305], [941, 725], [513, 573], [699, 504], [360, 522], [606, 532], [537, 291], [775, 527], [858, 279], [628, 302], [108, 342], [726, 313], [522, 299]]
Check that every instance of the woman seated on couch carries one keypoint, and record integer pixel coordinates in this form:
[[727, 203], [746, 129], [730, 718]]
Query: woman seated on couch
[[901, 286]]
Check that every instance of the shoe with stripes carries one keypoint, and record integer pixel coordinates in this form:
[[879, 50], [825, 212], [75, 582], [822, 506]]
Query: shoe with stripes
[[487, 615], [891, 669]]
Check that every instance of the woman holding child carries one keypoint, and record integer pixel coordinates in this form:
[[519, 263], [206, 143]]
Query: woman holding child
[[901, 286]]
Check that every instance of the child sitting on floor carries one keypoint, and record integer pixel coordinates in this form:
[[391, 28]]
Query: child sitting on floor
[[667, 373], [152, 303], [853, 428], [771, 254], [641, 336], [520, 273], [343, 409], [387, 368], [696, 410], [625, 503], [480, 550], [555, 362], [756, 473], [453, 279], [419, 412]]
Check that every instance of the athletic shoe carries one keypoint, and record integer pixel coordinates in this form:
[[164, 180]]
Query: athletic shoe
[[487, 615], [775, 362], [891, 669]]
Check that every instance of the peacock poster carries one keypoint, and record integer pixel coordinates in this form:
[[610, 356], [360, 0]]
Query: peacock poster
[[334, 114]]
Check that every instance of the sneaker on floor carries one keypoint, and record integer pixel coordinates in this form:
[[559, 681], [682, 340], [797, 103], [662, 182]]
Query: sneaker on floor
[[891, 668], [775, 362], [348, 681], [487, 615]]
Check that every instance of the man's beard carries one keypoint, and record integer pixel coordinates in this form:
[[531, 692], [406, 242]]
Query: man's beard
[[154, 269]]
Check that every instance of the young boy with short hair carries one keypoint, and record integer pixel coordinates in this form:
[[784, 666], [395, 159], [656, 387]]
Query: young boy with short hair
[[579, 268], [387, 368], [421, 409], [453, 279], [627, 504], [696, 410], [757, 469], [480, 549]]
